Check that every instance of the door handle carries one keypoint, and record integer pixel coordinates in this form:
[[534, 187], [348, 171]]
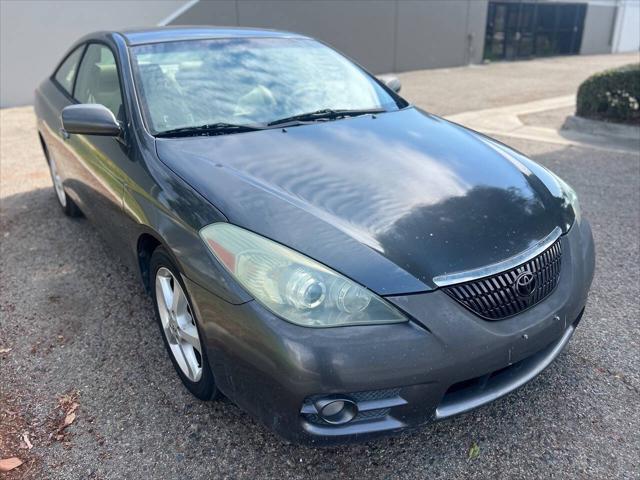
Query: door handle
[[64, 134]]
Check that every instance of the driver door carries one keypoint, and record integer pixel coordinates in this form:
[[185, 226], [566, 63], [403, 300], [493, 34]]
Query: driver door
[[100, 164]]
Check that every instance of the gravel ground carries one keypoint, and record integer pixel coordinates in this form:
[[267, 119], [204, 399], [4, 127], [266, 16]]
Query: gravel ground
[[80, 330]]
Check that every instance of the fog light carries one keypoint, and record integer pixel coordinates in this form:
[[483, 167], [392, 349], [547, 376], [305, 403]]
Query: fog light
[[336, 410]]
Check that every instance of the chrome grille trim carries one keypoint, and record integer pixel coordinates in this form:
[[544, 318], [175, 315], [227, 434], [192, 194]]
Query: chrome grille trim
[[495, 268]]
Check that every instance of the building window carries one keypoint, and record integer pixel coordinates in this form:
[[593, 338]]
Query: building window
[[525, 30]]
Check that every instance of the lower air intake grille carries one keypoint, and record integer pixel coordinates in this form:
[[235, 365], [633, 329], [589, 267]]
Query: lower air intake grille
[[513, 291]]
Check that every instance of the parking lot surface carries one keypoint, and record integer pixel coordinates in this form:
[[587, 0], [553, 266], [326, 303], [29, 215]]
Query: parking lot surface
[[76, 328]]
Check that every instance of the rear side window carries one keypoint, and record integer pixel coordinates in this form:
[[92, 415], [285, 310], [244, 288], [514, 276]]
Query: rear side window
[[67, 71], [98, 80]]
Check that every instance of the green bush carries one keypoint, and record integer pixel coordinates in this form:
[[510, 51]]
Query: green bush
[[612, 95]]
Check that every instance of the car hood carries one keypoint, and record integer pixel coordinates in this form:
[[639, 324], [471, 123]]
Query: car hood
[[391, 201]]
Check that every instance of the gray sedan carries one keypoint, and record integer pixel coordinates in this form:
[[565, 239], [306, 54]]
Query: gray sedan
[[338, 262]]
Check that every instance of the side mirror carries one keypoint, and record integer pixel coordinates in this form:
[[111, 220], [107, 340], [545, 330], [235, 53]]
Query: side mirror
[[90, 119], [391, 81]]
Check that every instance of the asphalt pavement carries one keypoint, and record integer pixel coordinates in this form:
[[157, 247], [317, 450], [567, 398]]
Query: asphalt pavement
[[79, 342]]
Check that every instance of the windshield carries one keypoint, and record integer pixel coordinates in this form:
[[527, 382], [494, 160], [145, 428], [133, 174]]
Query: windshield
[[247, 81]]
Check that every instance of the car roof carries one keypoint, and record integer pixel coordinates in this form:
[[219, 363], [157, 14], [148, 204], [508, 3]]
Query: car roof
[[139, 36]]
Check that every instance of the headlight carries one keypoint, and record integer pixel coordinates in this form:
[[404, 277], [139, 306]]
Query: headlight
[[291, 285], [571, 198]]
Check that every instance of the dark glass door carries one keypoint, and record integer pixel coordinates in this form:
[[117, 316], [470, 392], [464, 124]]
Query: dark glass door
[[512, 31], [518, 30], [526, 31]]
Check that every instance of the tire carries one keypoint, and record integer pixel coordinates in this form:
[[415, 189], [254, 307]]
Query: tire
[[179, 326], [68, 206]]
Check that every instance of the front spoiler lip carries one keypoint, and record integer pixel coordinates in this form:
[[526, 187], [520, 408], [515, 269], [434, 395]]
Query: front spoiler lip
[[533, 366], [451, 404]]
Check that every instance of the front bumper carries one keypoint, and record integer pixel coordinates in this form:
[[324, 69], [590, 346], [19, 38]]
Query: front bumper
[[444, 362]]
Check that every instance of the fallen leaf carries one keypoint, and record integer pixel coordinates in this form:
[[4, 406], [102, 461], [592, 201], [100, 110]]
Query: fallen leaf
[[8, 464], [68, 405], [68, 400], [68, 420], [74, 406], [5, 350], [474, 451], [27, 442]]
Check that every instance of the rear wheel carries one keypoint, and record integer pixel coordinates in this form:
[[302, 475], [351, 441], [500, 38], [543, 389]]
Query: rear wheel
[[179, 327], [68, 206]]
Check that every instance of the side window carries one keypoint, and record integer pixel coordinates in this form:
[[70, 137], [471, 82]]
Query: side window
[[98, 80], [66, 73]]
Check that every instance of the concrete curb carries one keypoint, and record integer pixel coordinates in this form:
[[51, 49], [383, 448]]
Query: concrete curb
[[506, 121], [600, 128]]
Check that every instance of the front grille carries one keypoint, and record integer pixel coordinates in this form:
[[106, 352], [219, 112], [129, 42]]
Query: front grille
[[375, 394], [505, 294]]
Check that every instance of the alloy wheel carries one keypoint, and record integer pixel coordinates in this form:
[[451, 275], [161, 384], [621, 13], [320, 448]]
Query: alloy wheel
[[178, 324]]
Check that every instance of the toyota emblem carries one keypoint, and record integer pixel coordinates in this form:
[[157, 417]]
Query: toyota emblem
[[525, 284]]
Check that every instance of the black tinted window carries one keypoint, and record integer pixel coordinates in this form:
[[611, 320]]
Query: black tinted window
[[98, 80], [67, 71]]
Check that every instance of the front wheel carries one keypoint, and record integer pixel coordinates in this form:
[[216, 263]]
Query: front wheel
[[179, 327]]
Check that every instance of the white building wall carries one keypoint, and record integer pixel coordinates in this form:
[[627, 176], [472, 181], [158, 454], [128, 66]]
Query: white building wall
[[391, 34], [34, 34], [626, 37]]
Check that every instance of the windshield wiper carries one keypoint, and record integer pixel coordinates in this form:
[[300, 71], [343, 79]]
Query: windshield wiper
[[209, 129], [324, 114], [226, 128]]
